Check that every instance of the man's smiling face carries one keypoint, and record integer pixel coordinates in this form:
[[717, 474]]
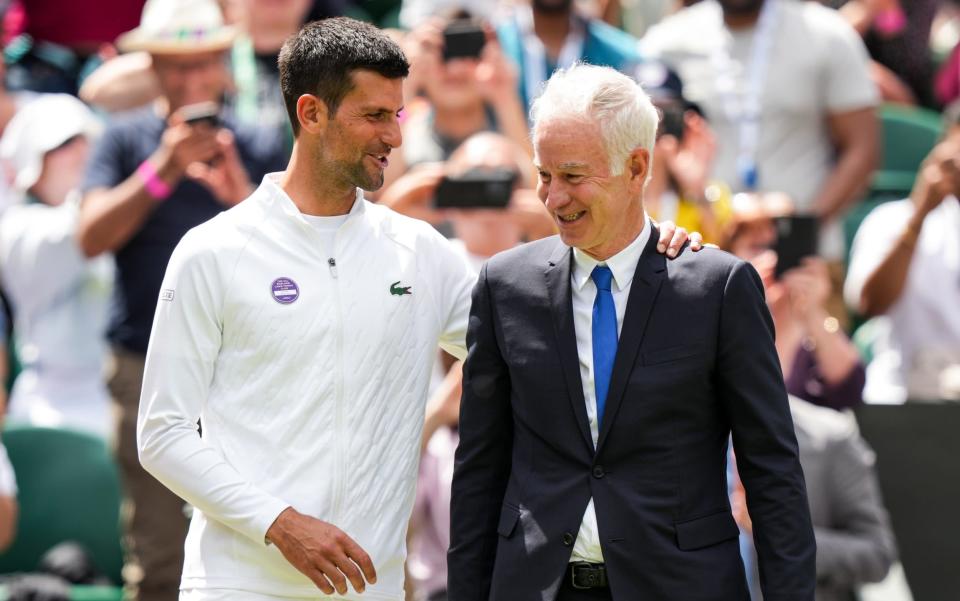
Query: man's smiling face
[[595, 210]]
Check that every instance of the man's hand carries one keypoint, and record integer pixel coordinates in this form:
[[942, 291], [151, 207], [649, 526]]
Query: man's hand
[[939, 177], [691, 160], [183, 144], [672, 239], [225, 176], [809, 287], [322, 552], [411, 194]]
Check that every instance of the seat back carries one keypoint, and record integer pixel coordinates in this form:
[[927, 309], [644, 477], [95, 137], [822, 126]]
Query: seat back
[[908, 135], [69, 489]]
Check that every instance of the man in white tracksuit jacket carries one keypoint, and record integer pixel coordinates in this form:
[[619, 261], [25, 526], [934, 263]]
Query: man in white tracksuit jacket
[[300, 328]]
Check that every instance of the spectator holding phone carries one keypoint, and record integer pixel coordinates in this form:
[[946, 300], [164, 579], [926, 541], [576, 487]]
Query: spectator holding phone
[[905, 266], [820, 364], [681, 188], [482, 225], [156, 173], [467, 86]]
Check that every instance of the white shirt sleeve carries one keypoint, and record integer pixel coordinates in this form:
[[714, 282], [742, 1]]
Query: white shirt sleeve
[[8, 480], [184, 346], [874, 240], [848, 85]]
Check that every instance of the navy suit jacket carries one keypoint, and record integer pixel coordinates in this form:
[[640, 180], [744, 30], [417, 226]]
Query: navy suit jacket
[[695, 362]]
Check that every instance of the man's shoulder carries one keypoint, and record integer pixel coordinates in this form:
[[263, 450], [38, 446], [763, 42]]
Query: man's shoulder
[[137, 122], [708, 261], [883, 217], [618, 46], [819, 18], [404, 230], [821, 426], [684, 27], [228, 230], [536, 255]]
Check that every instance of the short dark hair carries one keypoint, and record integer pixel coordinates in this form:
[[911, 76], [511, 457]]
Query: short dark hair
[[320, 59]]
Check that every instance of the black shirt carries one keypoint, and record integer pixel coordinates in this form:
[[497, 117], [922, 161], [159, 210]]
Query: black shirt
[[127, 142]]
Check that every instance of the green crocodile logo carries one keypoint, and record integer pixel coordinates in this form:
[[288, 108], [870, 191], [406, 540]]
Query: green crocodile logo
[[397, 289]]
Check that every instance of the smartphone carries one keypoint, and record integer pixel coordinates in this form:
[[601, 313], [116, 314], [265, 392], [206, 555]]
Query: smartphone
[[463, 38], [796, 239], [202, 112], [486, 189]]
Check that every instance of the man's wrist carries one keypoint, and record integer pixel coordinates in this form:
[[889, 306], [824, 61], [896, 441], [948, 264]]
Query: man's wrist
[[153, 183]]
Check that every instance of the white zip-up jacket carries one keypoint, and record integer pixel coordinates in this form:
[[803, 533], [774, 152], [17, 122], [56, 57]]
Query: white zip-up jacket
[[309, 373]]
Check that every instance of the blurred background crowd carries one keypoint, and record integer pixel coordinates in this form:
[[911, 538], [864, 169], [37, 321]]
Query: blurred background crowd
[[818, 140]]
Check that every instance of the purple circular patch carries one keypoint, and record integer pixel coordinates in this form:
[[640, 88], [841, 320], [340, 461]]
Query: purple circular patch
[[285, 291]]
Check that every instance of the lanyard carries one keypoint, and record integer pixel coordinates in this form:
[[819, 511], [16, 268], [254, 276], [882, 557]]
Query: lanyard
[[746, 114], [535, 55], [244, 64]]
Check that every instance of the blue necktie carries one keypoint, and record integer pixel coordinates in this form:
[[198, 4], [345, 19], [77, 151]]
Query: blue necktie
[[604, 335]]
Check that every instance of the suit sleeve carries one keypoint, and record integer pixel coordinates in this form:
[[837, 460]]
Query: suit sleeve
[[751, 388], [483, 457], [858, 546]]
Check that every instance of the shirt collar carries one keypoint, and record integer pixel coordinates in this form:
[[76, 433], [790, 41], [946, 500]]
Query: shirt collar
[[271, 185], [623, 264]]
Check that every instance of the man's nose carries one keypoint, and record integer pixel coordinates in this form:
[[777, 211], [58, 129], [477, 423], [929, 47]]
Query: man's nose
[[553, 195], [393, 135]]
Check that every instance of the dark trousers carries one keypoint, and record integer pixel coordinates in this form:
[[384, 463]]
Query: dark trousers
[[568, 593], [158, 527]]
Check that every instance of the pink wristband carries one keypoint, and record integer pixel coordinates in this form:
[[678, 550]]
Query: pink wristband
[[890, 22], [156, 187]]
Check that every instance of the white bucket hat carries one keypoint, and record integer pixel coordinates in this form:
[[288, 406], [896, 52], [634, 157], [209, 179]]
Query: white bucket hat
[[39, 127], [179, 27]]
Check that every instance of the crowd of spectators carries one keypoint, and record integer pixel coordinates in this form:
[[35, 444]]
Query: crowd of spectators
[[124, 127]]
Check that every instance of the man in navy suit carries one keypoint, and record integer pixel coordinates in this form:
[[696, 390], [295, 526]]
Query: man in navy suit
[[601, 388]]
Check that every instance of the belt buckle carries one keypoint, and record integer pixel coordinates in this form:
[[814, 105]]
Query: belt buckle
[[589, 574]]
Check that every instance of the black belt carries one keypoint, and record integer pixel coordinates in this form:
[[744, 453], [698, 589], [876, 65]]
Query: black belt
[[585, 575]]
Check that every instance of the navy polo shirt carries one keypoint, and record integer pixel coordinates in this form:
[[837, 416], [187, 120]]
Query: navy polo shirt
[[127, 142]]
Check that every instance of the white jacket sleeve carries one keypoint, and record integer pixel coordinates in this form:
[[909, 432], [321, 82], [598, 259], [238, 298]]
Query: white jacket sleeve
[[183, 350], [458, 278]]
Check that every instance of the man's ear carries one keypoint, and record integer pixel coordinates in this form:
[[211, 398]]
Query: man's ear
[[638, 164], [312, 114]]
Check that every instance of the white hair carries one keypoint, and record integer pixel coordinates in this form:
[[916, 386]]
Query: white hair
[[623, 111]]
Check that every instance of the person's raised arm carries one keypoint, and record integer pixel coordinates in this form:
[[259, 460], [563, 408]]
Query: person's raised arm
[[938, 178], [111, 216]]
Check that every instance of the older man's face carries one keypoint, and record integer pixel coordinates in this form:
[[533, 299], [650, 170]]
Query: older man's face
[[595, 211]]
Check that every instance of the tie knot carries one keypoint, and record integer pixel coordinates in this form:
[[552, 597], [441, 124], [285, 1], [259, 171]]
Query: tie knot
[[602, 277]]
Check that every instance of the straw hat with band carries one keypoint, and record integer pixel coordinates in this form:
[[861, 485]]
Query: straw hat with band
[[179, 27]]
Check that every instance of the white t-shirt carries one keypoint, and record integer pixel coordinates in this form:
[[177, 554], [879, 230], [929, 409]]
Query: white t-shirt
[[60, 301], [924, 323], [818, 67]]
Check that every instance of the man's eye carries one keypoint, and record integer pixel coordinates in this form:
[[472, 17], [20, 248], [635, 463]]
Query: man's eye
[[574, 178], [544, 177]]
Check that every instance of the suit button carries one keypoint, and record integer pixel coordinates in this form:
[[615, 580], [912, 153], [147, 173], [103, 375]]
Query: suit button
[[598, 471], [567, 539]]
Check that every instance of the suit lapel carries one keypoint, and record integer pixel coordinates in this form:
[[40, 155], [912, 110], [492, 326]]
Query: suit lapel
[[561, 308], [643, 294]]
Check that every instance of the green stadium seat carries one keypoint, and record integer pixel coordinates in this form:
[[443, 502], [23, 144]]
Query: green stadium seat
[[69, 489], [908, 134]]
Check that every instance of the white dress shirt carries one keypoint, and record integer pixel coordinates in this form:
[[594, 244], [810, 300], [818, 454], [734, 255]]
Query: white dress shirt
[[623, 265]]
